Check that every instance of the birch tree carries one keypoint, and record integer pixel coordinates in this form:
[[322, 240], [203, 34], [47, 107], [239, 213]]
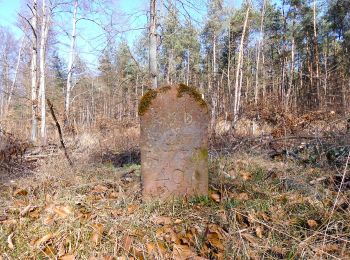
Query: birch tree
[[11, 90], [260, 44], [42, 90], [69, 85], [34, 69], [153, 70], [238, 80]]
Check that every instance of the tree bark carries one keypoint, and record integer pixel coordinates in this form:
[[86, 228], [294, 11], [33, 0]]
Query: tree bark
[[70, 64], [42, 89], [260, 43], [153, 45], [238, 81], [15, 77], [34, 69]]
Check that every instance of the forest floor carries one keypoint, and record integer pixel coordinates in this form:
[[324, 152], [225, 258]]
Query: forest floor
[[263, 203], [257, 208]]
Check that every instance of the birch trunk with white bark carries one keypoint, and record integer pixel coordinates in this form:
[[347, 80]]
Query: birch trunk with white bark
[[153, 45], [42, 89], [260, 44], [34, 68], [239, 76], [15, 77], [69, 85]]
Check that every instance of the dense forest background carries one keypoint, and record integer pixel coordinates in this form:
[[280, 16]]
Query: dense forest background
[[280, 56]]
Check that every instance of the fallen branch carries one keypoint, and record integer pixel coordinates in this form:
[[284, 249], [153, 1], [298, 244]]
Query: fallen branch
[[59, 132]]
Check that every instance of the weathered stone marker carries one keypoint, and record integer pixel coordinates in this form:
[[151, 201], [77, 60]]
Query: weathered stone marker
[[174, 144]]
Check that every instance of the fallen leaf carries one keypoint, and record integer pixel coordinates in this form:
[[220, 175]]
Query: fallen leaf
[[34, 213], [27, 209], [259, 232], [132, 208], [117, 212], [9, 241], [155, 250], [215, 197], [99, 189], [97, 233], [215, 236], [330, 248], [250, 238], [182, 252], [121, 258], [44, 239], [49, 220], [242, 196], [178, 221], [20, 192], [312, 223], [49, 250], [67, 257], [137, 253], [113, 195], [127, 243], [9, 222], [246, 175], [161, 220], [279, 250], [232, 173], [62, 211]]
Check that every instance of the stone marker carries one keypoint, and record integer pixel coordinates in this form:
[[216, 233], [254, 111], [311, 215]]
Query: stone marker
[[174, 144]]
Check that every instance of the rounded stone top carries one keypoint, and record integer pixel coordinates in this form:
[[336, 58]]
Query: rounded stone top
[[180, 90]]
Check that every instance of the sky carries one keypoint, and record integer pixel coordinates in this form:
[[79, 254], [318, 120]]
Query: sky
[[91, 40]]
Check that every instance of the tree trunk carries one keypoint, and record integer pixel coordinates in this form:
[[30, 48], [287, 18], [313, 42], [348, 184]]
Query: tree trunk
[[153, 45], [42, 89], [260, 43], [15, 77], [238, 82], [34, 69], [70, 64]]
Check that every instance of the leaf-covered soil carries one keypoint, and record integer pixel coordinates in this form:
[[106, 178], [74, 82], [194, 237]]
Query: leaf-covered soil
[[258, 208]]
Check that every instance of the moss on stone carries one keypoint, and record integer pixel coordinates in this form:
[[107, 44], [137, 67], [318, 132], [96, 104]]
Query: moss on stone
[[146, 101], [200, 155], [192, 91], [203, 153], [147, 98], [163, 89]]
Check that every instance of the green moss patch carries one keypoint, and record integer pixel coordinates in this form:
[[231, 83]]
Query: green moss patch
[[147, 98], [146, 101], [192, 91]]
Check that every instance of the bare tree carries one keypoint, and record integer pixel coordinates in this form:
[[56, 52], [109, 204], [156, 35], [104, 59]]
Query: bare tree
[[34, 69], [239, 76], [11, 90], [42, 90], [69, 85], [260, 44], [153, 44]]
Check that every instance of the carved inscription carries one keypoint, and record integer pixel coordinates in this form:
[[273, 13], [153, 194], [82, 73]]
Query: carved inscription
[[174, 146]]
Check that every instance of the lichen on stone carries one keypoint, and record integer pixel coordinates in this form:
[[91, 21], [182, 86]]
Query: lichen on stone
[[192, 91], [146, 101]]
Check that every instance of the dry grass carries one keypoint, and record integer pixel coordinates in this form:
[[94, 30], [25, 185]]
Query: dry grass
[[257, 209]]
